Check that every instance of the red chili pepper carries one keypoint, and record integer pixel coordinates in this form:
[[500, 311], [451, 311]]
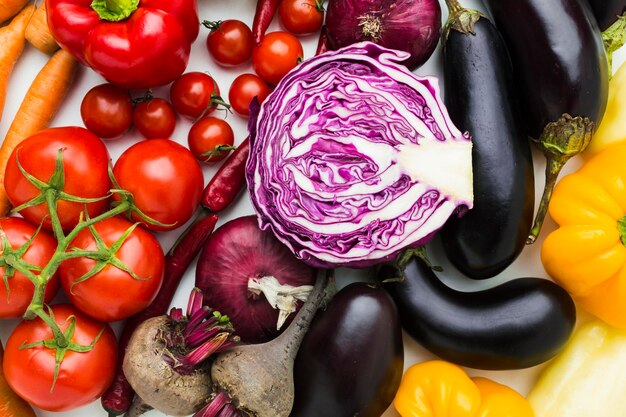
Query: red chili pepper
[[322, 43], [119, 397], [136, 45], [228, 181], [265, 11]]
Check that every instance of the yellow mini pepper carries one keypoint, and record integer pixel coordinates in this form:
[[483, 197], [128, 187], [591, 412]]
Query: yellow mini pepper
[[586, 255], [612, 128], [441, 389], [587, 379]]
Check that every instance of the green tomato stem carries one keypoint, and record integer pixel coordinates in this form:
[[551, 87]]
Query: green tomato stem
[[60, 254]]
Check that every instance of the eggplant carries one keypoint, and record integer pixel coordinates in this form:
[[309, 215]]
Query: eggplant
[[607, 11], [350, 362], [515, 325], [561, 72], [481, 99]]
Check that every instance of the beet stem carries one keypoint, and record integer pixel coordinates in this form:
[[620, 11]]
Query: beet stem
[[176, 314], [197, 319], [195, 302], [215, 406], [201, 353]]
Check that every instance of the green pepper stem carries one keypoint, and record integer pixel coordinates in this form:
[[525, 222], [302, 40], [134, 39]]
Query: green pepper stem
[[621, 228], [114, 10]]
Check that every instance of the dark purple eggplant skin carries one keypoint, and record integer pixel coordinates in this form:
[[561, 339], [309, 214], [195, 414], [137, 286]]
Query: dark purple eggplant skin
[[558, 58], [518, 324], [481, 99], [606, 11], [351, 360]]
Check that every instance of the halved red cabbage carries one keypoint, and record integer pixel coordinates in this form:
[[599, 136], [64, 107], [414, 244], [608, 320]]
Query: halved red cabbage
[[353, 158]]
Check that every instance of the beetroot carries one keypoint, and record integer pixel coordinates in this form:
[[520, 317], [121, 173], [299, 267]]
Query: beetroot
[[243, 271]]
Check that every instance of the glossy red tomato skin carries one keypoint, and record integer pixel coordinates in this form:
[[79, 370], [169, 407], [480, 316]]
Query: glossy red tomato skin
[[278, 53], [21, 290], [243, 89], [300, 17], [206, 135], [165, 180], [86, 161], [155, 118], [83, 377], [112, 294], [231, 43], [191, 94], [107, 111]]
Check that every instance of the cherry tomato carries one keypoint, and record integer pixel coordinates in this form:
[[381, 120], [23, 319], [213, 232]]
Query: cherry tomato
[[85, 162], [107, 111], [113, 294], [243, 89], [14, 302], [229, 42], [82, 376], [301, 17], [155, 118], [165, 179], [211, 139], [195, 94], [278, 53]]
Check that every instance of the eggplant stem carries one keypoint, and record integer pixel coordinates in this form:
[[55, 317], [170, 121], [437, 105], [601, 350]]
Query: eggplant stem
[[460, 19], [553, 168], [614, 38], [454, 6], [559, 141]]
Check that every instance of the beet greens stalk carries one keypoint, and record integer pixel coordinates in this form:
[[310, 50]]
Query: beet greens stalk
[[166, 358], [257, 380]]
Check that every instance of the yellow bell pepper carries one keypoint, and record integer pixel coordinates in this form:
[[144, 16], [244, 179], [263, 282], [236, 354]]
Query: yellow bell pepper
[[587, 379], [441, 389], [612, 128], [586, 254]]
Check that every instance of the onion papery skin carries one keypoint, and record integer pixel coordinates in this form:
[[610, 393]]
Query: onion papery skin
[[413, 26], [353, 158], [236, 252]]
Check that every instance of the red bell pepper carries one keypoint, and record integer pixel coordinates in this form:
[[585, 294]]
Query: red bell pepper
[[136, 44]]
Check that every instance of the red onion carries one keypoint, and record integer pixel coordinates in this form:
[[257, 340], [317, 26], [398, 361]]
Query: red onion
[[249, 275], [413, 26]]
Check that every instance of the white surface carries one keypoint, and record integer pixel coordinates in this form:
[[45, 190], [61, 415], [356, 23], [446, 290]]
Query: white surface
[[32, 60]]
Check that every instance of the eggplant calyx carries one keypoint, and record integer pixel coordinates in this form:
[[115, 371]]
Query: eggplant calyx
[[559, 141], [283, 297], [614, 38], [403, 260], [460, 19]]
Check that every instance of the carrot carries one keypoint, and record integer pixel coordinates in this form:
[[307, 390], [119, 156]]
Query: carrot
[[38, 33], [9, 8], [42, 100], [12, 44]]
